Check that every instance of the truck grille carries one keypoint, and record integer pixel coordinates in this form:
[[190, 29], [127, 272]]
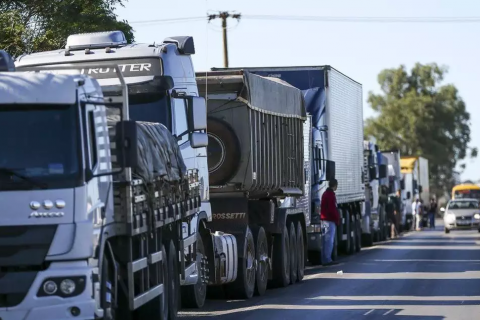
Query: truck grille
[[22, 255]]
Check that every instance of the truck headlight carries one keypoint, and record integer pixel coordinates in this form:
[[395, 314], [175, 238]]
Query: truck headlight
[[476, 216], [50, 287], [67, 286]]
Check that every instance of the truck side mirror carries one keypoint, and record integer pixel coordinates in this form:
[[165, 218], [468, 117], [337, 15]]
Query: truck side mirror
[[409, 195], [330, 170], [164, 83], [372, 172], [197, 114], [382, 171], [127, 144], [198, 139], [402, 184], [420, 189]]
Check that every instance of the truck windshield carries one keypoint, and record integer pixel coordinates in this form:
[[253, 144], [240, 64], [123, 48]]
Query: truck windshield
[[39, 147], [146, 102]]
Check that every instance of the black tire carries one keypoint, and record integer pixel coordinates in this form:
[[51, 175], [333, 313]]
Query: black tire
[[345, 244], [194, 296], [223, 151], [261, 256], [106, 289], [448, 230], [300, 253], [292, 234], [157, 308], [244, 286], [353, 232], [358, 242], [173, 282], [281, 259]]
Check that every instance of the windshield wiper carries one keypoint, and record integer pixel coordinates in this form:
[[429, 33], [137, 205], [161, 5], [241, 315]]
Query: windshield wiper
[[27, 179]]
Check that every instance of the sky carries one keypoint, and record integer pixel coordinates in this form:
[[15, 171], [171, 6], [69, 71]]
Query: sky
[[359, 50]]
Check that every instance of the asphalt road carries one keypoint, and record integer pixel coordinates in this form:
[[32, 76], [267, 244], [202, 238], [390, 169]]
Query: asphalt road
[[422, 275]]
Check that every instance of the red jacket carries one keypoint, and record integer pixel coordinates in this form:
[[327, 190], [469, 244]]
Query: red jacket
[[328, 209]]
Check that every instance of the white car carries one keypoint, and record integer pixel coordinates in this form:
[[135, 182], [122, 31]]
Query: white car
[[461, 214]]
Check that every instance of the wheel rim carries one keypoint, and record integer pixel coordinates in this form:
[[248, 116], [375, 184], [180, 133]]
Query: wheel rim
[[262, 262], [216, 152], [201, 286], [250, 267]]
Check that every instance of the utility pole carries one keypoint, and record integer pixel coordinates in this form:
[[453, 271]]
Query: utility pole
[[224, 16]]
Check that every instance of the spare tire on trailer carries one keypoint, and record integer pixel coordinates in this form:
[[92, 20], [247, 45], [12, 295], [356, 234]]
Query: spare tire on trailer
[[223, 151]]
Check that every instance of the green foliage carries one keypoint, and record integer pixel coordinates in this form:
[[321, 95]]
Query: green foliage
[[28, 26], [420, 117]]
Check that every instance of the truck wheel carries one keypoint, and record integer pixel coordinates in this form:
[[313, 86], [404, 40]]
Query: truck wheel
[[346, 227], [261, 255], [358, 242], [223, 151], [244, 286], [107, 292], [293, 253], [173, 282], [300, 253], [157, 308], [281, 259], [194, 296], [353, 233]]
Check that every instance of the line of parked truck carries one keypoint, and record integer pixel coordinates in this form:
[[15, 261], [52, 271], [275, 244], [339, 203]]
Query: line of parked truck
[[132, 184]]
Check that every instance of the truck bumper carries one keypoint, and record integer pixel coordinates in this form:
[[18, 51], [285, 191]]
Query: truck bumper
[[52, 312], [54, 307]]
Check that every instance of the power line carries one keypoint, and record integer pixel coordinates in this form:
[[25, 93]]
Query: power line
[[158, 21], [368, 19], [321, 19]]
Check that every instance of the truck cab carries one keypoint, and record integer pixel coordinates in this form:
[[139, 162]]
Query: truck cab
[[47, 186]]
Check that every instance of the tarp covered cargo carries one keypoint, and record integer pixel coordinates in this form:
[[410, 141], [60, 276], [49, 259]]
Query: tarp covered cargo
[[158, 152], [255, 127]]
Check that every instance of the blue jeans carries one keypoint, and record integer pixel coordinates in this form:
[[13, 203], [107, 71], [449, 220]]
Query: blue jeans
[[328, 241], [431, 215]]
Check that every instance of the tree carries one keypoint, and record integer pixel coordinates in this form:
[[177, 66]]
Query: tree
[[420, 117], [28, 26]]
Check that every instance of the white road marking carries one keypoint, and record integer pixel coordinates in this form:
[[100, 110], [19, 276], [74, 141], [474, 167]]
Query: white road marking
[[467, 275], [368, 312], [388, 312]]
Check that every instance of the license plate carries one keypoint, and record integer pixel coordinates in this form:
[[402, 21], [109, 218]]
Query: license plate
[[463, 223]]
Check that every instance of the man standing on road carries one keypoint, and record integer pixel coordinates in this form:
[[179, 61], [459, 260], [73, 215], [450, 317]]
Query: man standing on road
[[331, 219], [418, 214], [432, 211], [414, 215]]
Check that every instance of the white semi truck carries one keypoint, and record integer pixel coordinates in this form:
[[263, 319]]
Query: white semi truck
[[160, 88], [127, 243]]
